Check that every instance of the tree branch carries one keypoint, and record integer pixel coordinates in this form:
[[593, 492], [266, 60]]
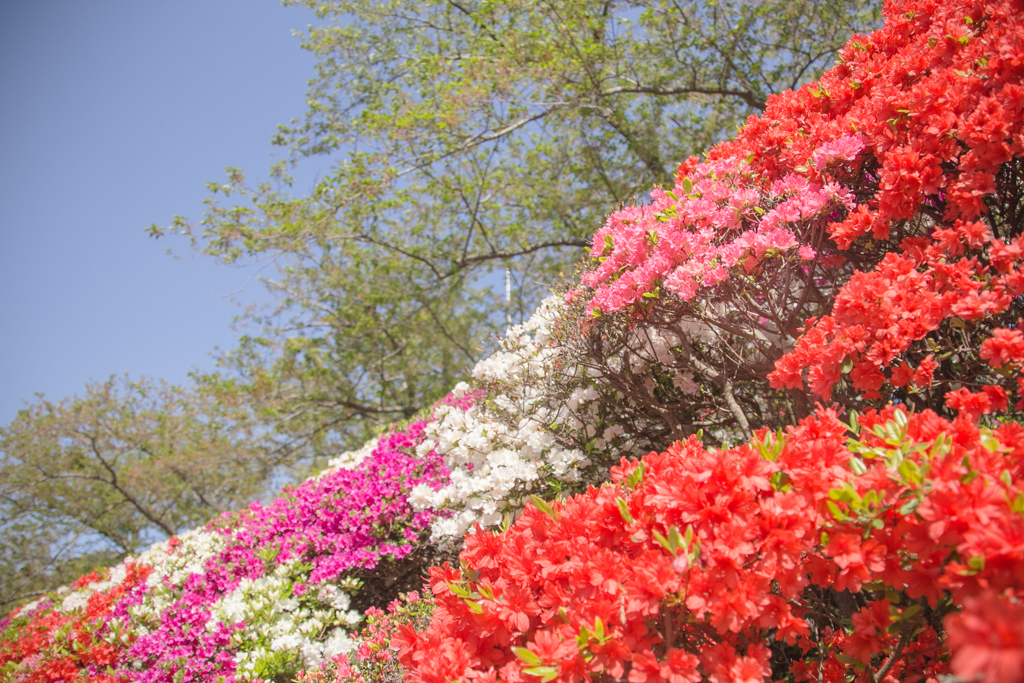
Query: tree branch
[[137, 504], [745, 95]]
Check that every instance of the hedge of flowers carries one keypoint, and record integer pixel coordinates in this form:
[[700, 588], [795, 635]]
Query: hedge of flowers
[[863, 236], [858, 244]]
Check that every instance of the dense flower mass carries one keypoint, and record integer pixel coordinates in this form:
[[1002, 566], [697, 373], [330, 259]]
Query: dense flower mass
[[727, 216], [716, 565], [889, 191], [523, 439], [254, 595], [861, 240]]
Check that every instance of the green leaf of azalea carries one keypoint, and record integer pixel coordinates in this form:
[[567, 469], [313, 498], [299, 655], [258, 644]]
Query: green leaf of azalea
[[624, 510], [543, 507], [546, 673], [528, 657]]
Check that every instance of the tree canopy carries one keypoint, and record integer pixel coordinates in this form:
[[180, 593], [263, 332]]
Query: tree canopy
[[470, 140], [87, 480]]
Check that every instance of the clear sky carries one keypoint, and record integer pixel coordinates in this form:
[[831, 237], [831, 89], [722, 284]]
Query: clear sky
[[113, 116]]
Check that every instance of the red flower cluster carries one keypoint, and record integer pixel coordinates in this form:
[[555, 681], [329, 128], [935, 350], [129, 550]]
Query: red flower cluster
[[936, 98], [62, 645], [732, 565]]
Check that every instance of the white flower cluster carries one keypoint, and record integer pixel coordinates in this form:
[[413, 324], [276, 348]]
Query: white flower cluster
[[280, 628], [520, 440], [188, 556]]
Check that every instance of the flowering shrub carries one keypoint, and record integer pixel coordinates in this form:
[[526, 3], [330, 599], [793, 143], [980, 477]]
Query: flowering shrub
[[537, 427], [861, 238], [810, 555], [692, 297], [936, 99], [255, 595]]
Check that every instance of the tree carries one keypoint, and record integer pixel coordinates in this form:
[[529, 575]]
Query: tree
[[87, 480], [471, 140]]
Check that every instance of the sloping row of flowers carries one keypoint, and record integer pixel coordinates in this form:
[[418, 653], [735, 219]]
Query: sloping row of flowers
[[255, 595], [860, 239], [266, 592]]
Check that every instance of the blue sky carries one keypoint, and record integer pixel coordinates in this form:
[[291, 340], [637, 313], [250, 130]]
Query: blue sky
[[113, 116]]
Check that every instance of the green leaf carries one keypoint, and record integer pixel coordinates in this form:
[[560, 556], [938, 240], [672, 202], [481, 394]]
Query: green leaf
[[850, 661], [543, 507], [583, 639], [624, 510], [526, 656], [854, 425], [909, 506], [636, 476], [910, 611], [546, 673], [459, 589], [663, 541], [940, 447], [989, 441]]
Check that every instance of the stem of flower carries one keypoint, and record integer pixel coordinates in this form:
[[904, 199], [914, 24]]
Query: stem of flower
[[897, 651]]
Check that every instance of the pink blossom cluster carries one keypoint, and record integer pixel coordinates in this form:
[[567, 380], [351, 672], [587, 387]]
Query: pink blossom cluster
[[725, 217]]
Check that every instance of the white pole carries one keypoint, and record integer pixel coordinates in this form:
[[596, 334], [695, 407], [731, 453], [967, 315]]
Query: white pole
[[508, 296]]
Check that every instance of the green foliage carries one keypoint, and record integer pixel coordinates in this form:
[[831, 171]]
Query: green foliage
[[467, 138], [89, 479]]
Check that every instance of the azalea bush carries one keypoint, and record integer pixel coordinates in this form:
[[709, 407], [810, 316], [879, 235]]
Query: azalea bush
[[52, 641], [860, 241], [520, 436], [888, 549], [371, 658]]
